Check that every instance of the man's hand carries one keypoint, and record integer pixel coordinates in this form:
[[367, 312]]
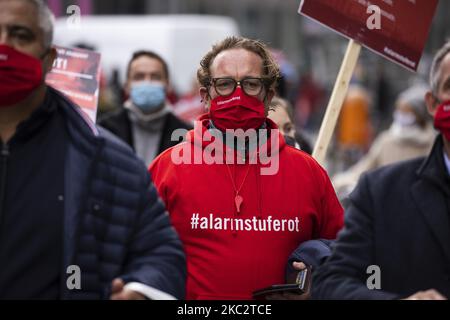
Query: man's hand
[[291, 296], [119, 293], [427, 295]]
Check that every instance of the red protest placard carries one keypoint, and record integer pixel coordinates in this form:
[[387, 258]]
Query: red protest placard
[[76, 73], [403, 29]]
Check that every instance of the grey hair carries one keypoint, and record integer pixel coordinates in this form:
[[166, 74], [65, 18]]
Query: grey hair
[[435, 73], [46, 21], [415, 98]]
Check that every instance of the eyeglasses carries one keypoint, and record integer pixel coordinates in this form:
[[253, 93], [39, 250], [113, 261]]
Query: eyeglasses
[[226, 86]]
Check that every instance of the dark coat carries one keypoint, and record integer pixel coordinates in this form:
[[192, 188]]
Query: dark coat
[[313, 253], [115, 225], [119, 123], [398, 219]]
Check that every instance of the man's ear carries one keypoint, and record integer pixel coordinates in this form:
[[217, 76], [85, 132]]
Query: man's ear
[[432, 103], [167, 86], [205, 96], [49, 59], [127, 87]]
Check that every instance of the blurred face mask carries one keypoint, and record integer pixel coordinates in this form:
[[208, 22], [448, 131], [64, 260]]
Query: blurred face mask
[[405, 126], [148, 96], [20, 75], [237, 111], [442, 119], [404, 118]]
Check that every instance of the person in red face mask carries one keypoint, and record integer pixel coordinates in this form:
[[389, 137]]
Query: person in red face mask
[[238, 221], [58, 175], [25, 58], [398, 220]]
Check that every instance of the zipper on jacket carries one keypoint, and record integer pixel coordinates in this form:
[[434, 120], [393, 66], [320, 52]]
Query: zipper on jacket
[[4, 155]]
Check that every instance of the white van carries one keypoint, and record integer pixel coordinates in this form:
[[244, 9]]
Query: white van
[[181, 40]]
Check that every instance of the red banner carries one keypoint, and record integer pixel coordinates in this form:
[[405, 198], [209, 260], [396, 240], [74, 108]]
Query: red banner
[[400, 35]]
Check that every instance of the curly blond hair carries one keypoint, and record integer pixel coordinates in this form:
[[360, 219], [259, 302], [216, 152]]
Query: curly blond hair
[[271, 70]]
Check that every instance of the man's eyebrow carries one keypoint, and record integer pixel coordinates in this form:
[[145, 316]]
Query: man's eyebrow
[[17, 27], [138, 73]]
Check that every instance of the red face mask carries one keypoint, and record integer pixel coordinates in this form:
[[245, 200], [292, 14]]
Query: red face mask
[[20, 75], [237, 111], [442, 119]]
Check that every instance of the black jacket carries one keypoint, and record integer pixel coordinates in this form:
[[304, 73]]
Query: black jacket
[[398, 219], [115, 225], [119, 123]]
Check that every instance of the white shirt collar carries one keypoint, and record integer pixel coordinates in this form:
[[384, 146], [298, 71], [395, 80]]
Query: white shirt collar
[[447, 162]]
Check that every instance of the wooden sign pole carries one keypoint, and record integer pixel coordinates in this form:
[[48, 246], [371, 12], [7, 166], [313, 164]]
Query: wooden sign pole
[[337, 99]]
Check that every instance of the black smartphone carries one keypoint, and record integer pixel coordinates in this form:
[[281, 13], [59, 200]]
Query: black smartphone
[[301, 286]]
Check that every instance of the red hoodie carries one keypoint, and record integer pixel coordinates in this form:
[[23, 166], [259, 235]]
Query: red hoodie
[[230, 254]]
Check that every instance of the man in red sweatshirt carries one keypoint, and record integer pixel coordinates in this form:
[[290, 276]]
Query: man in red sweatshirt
[[240, 198]]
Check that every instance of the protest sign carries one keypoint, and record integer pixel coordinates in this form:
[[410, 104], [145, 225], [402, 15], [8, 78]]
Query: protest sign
[[76, 73], [396, 29]]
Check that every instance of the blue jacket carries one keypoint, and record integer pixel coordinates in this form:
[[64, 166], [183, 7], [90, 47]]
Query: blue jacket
[[312, 253], [115, 225]]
